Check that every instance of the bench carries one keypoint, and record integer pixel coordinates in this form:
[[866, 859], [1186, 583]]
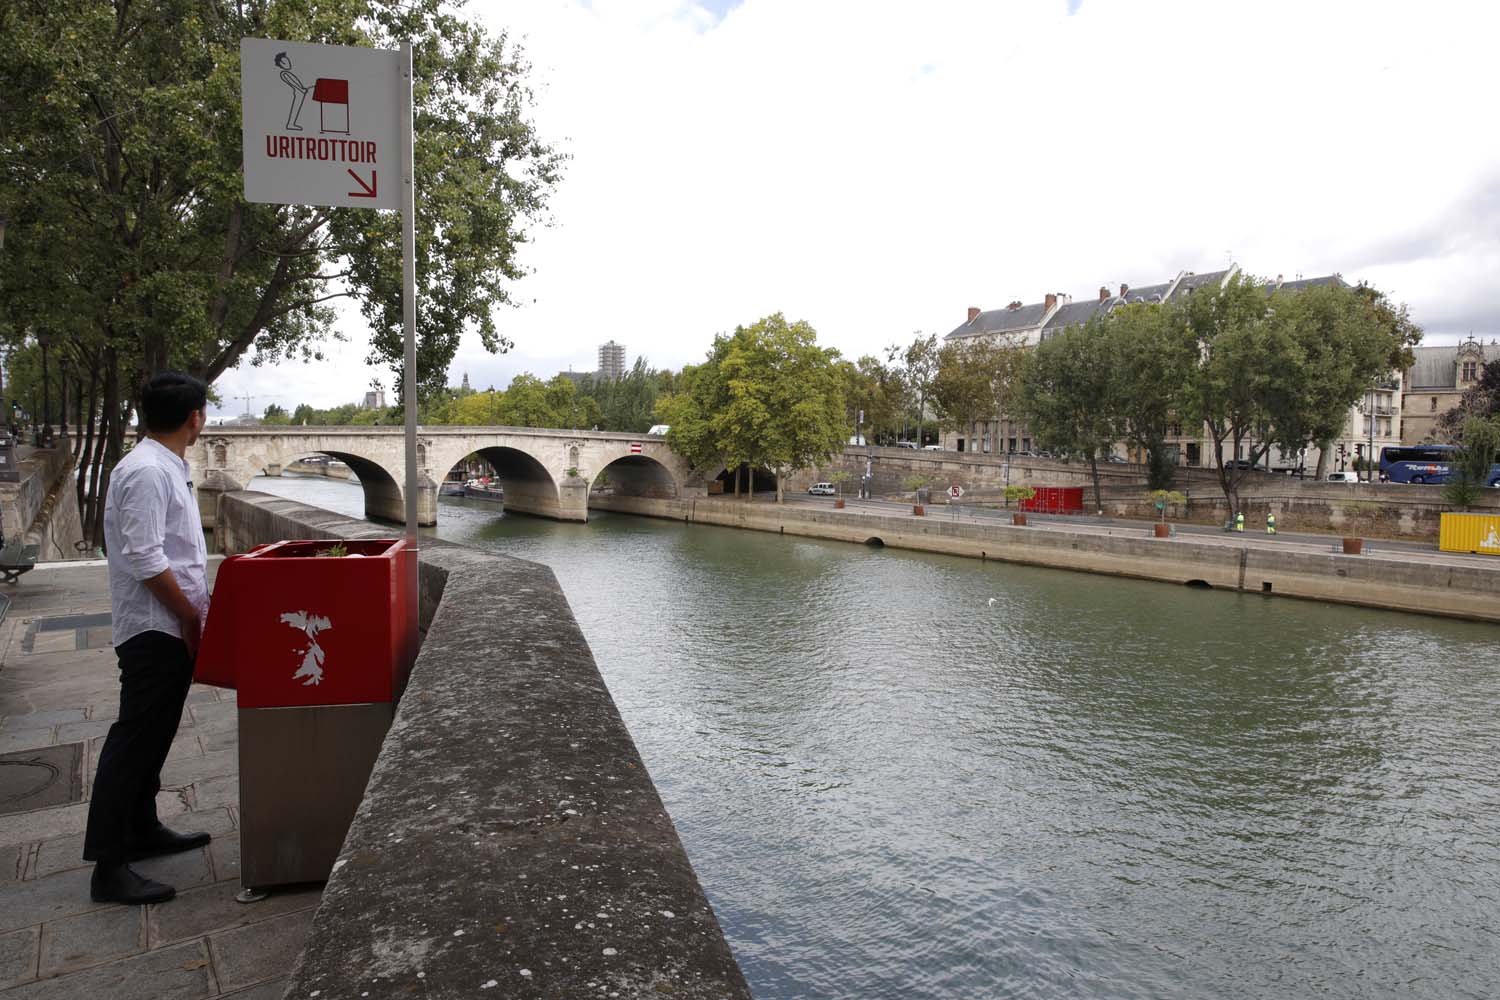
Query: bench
[[16, 559]]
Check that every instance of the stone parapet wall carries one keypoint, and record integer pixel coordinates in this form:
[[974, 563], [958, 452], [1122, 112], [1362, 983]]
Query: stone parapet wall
[[42, 509], [510, 837], [1469, 589], [1386, 510]]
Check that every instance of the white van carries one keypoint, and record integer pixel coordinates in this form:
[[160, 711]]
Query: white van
[[822, 489], [1342, 477]]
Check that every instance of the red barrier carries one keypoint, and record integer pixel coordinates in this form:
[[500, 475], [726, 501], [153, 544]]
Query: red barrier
[[1055, 500], [289, 627]]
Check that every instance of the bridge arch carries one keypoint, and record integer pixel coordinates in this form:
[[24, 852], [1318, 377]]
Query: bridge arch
[[635, 475]]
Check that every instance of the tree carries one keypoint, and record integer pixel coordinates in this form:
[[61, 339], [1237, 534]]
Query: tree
[[1066, 394], [973, 379], [785, 397], [275, 415], [1152, 359], [919, 367], [627, 403], [1482, 399], [129, 235], [1474, 464]]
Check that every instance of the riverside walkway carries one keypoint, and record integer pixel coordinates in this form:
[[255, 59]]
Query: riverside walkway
[[59, 691]]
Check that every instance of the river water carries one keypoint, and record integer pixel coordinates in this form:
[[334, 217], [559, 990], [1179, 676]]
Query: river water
[[911, 776]]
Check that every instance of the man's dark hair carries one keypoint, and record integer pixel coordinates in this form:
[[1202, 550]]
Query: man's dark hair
[[168, 399]]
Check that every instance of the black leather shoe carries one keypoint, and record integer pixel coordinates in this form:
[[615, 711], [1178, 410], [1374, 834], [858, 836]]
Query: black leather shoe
[[165, 841], [119, 883]]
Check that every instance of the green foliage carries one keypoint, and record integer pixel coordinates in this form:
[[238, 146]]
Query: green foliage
[[1013, 494], [973, 380], [275, 416], [1472, 465], [767, 395], [1359, 515], [128, 230], [627, 403], [337, 550], [1482, 399], [1069, 394], [915, 369], [1284, 369], [1165, 498], [915, 484]]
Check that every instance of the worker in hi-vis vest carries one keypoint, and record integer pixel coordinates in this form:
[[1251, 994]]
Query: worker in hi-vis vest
[[1239, 521], [1270, 524]]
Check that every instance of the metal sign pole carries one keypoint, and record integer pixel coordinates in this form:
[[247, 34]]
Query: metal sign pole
[[409, 324]]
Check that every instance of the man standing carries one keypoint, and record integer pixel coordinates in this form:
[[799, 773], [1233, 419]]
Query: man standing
[[158, 597]]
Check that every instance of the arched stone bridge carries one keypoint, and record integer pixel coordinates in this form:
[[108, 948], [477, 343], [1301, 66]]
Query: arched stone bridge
[[545, 472]]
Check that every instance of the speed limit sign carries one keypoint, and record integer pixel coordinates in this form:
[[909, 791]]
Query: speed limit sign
[[955, 491]]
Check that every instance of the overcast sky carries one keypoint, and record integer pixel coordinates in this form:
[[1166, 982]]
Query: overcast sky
[[875, 168]]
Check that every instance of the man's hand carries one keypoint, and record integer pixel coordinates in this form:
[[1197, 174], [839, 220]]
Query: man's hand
[[192, 634]]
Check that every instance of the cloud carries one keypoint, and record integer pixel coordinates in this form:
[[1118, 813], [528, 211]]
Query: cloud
[[875, 168]]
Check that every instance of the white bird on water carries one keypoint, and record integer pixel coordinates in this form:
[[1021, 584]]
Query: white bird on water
[[992, 602]]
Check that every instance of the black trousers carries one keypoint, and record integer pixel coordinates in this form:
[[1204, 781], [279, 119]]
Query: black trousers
[[155, 674]]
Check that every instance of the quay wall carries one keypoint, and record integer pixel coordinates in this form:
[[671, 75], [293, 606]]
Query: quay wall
[[42, 508], [1441, 587], [1394, 510], [510, 836]]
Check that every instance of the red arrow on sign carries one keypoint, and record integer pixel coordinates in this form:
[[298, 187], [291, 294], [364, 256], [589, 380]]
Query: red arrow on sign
[[370, 189]]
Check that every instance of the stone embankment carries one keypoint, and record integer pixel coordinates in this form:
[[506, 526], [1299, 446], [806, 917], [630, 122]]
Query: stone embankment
[[42, 508], [510, 838], [1385, 510], [1430, 583]]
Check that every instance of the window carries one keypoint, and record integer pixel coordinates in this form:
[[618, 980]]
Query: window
[[1433, 407], [1469, 370], [1174, 430]]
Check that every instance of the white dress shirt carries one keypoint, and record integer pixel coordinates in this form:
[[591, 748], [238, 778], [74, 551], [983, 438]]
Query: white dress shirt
[[151, 523]]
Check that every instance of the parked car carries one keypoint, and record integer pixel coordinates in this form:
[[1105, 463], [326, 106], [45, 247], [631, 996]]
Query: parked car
[[907, 444], [1242, 463], [1342, 477], [1115, 459], [933, 447], [822, 489]]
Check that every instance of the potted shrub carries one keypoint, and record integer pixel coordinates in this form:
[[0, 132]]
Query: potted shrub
[[838, 477], [1018, 494], [1161, 529], [917, 485], [1359, 515]]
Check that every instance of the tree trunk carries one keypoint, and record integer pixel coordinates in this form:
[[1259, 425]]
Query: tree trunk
[[780, 478], [736, 482], [1094, 472], [750, 493], [1323, 449]]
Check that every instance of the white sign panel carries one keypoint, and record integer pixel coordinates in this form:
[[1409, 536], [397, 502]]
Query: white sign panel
[[322, 124]]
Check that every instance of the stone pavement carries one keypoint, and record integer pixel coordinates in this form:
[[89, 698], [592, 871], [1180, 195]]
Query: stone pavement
[[59, 690]]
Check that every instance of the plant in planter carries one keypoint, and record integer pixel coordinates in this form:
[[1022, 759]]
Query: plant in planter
[[1359, 517], [838, 478], [337, 550], [917, 484], [1018, 494], [1162, 499]]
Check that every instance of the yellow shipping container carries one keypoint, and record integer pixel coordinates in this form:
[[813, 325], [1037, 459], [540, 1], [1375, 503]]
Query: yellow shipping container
[[1470, 533]]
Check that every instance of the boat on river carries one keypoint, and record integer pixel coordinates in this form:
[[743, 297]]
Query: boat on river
[[484, 488], [451, 488]]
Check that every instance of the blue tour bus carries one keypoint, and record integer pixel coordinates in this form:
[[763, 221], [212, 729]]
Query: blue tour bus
[[1425, 463]]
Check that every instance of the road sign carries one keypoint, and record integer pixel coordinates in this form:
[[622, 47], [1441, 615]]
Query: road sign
[[955, 491], [322, 124], [635, 447], [363, 127]]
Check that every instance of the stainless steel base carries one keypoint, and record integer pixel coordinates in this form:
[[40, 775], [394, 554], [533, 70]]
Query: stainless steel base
[[302, 775]]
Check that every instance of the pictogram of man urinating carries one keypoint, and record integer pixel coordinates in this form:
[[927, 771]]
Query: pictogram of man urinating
[[312, 656]]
